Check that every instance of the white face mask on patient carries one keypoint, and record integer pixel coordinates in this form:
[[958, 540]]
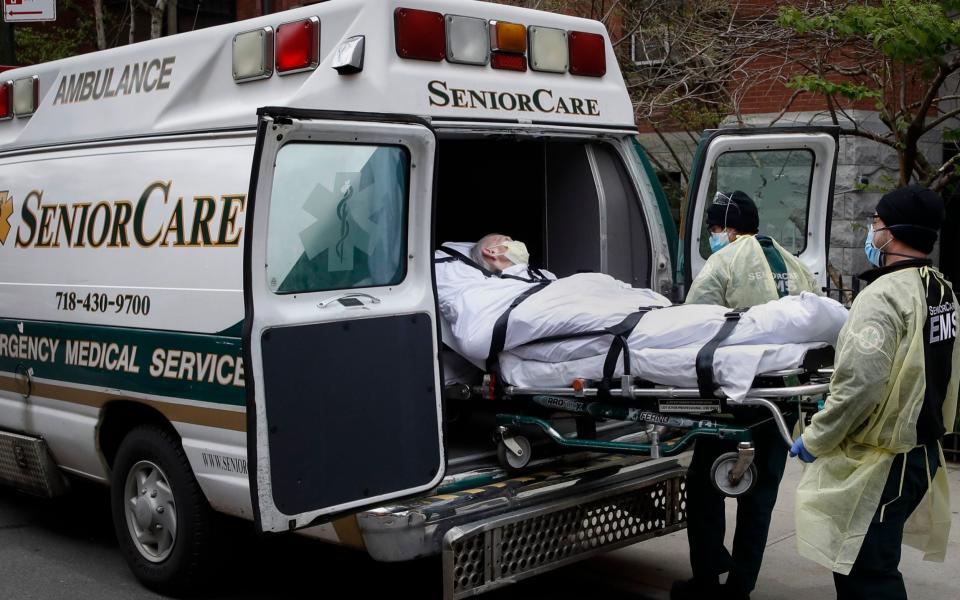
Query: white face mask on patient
[[516, 252]]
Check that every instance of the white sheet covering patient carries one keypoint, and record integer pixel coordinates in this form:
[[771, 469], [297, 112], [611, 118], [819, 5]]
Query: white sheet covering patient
[[663, 345]]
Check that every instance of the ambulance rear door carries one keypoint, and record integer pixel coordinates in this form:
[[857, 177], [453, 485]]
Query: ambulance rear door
[[789, 173], [341, 331]]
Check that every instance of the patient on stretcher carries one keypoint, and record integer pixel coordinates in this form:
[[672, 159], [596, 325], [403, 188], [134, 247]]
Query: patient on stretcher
[[542, 331]]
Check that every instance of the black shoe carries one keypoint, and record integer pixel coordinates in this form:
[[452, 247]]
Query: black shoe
[[733, 593], [693, 589], [733, 590]]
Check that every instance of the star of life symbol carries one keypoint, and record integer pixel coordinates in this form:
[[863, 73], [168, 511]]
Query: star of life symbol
[[351, 227], [6, 209], [870, 338]]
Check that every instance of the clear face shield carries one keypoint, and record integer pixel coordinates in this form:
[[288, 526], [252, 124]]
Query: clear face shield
[[722, 238]]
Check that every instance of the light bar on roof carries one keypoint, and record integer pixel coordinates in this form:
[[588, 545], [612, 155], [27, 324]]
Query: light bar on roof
[[298, 46], [26, 96], [6, 100], [253, 55], [468, 40], [548, 49]]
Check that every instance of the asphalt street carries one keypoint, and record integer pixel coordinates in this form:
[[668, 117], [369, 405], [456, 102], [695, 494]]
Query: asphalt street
[[64, 549]]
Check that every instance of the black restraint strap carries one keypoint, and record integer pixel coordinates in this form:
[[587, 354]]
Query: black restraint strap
[[499, 338], [465, 260], [705, 356], [620, 332]]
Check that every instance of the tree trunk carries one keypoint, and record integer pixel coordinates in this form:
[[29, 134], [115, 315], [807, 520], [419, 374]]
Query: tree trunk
[[133, 22], [156, 19], [98, 19]]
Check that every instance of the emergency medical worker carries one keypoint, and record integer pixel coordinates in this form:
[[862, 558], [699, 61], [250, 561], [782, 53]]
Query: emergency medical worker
[[874, 449], [746, 269]]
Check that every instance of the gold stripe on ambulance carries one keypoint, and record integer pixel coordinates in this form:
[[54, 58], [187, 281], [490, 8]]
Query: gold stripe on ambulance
[[181, 413]]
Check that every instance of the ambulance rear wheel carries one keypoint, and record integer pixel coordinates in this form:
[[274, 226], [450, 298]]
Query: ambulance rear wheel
[[162, 521], [509, 459], [720, 476]]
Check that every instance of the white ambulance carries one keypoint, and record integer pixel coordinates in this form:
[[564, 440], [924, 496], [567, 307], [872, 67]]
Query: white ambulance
[[217, 288]]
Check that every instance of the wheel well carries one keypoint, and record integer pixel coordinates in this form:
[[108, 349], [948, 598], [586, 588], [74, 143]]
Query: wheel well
[[122, 416]]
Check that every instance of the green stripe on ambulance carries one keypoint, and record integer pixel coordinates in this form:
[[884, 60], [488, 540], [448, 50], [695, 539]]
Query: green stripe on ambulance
[[203, 367]]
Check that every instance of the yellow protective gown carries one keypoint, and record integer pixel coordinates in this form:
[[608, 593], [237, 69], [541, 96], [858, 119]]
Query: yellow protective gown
[[870, 416], [738, 276]]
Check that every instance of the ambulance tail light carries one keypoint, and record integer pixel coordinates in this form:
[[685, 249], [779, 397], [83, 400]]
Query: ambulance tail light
[[298, 46], [26, 96], [420, 34], [253, 55], [6, 100], [507, 61], [588, 54], [509, 44]]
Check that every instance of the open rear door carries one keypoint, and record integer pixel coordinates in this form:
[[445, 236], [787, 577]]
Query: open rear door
[[340, 336], [789, 172]]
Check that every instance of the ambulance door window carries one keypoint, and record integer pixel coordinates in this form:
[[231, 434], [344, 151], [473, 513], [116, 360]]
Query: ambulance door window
[[337, 217], [778, 181]]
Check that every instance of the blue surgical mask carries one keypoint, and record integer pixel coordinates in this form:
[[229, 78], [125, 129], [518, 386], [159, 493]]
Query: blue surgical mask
[[719, 240], [874, 254]]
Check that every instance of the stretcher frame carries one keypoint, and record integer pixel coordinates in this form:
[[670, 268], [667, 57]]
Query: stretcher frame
[[684, 409]]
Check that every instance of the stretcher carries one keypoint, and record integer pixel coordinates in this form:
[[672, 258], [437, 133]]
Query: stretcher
[[675, 417], [627, 354]]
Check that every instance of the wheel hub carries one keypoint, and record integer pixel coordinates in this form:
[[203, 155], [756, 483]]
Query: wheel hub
[[150, 511]]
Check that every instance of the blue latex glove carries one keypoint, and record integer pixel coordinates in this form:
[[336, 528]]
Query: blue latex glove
[[799, 450]]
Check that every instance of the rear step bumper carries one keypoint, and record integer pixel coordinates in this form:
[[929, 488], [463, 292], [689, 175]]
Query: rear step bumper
[[499, 534], [503, 550]]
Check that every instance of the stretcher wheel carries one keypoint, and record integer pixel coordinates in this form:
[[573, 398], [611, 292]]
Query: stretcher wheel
[[509, 460], [720, 476]]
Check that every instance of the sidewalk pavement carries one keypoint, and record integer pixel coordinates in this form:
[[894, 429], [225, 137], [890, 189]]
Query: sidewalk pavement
[[653, 565]]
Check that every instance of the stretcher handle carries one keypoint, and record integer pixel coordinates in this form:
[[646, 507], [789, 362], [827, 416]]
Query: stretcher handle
[[777, 415]]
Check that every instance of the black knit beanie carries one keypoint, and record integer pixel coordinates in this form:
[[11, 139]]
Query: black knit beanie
[[914, 215], [734, 210]]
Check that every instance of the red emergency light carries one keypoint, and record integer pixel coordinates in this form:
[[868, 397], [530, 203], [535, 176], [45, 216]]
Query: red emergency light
[[298, 46], [508, 61], [588, 54], [6, 100], [420, 34]]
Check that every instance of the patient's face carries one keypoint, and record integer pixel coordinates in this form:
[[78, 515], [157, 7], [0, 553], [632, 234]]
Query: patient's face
[[493, 251]]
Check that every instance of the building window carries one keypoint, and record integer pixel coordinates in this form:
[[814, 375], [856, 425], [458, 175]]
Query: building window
[[649, 47]]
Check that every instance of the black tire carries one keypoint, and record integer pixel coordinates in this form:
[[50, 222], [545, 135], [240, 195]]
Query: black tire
[[179, 568]]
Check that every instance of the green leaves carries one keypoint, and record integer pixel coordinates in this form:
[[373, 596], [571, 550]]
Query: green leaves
[[906, 31], [819, 85]]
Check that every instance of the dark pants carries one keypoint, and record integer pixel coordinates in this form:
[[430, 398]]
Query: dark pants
[[876, 574], [706, 519]]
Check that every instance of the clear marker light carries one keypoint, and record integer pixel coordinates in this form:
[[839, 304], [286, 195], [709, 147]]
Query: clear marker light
[[468, 40], [548, 49], [26, 94], [253, 55]]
